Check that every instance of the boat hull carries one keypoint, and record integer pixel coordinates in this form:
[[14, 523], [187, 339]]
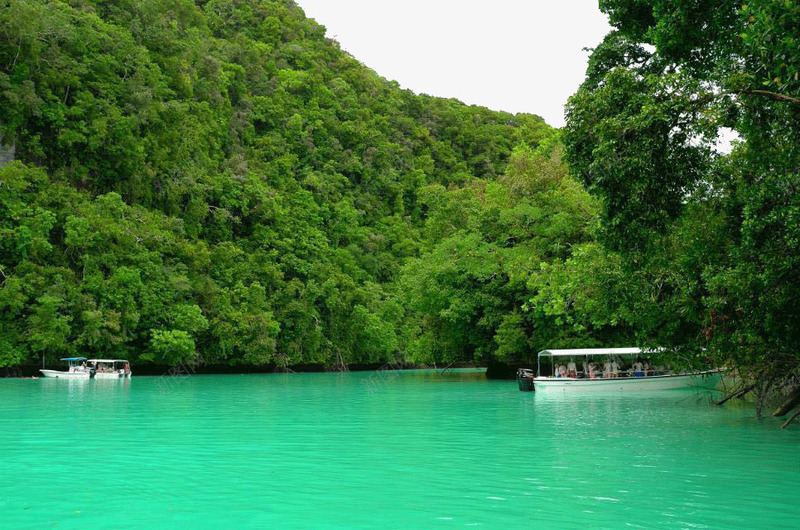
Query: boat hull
[[708, 380], [55, 374], [111, 375]]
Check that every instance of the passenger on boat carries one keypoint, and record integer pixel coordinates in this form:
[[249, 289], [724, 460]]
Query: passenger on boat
[[614, 368], [561, 371], [590, 371], [638, 369], [572, 370]]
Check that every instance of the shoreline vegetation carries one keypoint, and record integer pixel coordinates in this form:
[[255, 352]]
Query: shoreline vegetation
[[187, 369], [218, 180]]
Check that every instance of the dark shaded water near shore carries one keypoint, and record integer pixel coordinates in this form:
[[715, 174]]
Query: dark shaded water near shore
[[390, 449]]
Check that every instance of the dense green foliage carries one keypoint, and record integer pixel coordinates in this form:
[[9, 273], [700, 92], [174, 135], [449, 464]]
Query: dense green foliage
[[217, 178], [708, 244], [486, 248]]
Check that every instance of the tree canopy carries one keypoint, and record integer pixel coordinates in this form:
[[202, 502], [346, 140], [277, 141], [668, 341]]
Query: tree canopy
[[710, 238]]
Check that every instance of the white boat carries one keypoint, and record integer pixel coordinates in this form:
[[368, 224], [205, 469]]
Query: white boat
[[83, 368], [78, 369], [110, 368], [611, 370]]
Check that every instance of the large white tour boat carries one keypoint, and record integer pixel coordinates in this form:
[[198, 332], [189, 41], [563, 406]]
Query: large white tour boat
[[612, 370], [83, 368]]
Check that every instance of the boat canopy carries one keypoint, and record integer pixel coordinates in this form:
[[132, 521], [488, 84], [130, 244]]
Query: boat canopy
[[595, 351], [590, 352], [108, 360], [74, 359]]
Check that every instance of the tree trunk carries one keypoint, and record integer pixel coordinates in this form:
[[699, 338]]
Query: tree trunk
[[763, 394], [790, 420], [789, 404], [739, 393]]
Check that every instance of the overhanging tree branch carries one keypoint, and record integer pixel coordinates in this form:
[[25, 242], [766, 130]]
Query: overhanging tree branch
[[748, 91], [771, 95]]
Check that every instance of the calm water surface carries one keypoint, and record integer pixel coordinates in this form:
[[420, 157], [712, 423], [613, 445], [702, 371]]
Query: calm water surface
[[390, 449]]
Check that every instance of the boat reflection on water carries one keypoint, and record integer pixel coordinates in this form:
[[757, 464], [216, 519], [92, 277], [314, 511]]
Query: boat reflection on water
[[80, 392]]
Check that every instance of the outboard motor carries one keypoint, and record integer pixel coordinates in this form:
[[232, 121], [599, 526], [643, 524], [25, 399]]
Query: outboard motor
[[525, 379]]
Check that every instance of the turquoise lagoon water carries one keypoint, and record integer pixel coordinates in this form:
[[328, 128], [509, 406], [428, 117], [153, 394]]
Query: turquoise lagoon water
[[383, 449]]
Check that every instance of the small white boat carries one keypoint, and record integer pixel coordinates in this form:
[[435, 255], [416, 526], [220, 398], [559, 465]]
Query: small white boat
[[83, 368], [611, 370], [78, 369]]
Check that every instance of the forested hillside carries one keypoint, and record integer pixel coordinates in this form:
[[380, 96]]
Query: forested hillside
[[219, 181]]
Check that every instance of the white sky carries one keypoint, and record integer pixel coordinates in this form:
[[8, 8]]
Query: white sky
[[511, 55]]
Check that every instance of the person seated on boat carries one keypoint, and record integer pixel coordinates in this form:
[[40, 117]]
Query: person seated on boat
[[638, 368], [572, 370], [590, 371], [607, 369], [83, 366], [561, 371], [614, 368], [648, 370]]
